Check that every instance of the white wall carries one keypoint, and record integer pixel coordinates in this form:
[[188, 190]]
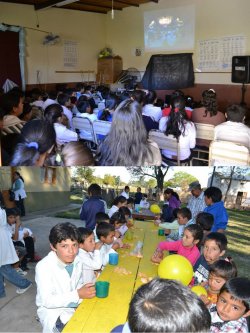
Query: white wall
[[87, 29], [214, 18]]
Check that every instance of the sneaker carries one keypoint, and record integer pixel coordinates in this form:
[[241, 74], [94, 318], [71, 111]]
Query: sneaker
[[21, 291], [21, 272]]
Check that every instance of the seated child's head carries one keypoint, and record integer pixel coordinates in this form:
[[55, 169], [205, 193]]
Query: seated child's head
[[87, 242], [234, 299], [205, 220], [192, 235], [184, 215], [219, 272], [144, 197], [125, 211], [120, 201], [94, 190], [64, 241], [175, 212], [211, 195], [118, 219], [101, 217], [105, 232], [130, 203], [167, 306], [215, 245], [11, 214]]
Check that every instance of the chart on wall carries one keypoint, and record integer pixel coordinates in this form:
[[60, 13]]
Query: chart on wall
[[70, 58], [215, 55]]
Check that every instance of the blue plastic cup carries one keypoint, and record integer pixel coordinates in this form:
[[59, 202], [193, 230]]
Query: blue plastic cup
[[113, 258]]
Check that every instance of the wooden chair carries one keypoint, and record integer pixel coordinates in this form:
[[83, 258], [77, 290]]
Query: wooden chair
[[204, 132], [101, 127], [170, 143], [228, 153]]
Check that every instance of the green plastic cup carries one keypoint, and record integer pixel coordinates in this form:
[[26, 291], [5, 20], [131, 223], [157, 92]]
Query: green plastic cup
[[102, 289], [161, 232]]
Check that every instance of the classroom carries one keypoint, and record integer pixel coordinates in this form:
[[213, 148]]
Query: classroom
[[209, 33]]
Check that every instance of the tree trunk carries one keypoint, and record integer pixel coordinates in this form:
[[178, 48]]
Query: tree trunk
[[229, 184], [212, 178]]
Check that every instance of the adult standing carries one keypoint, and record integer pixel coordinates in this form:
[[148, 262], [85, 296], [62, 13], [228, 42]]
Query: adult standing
[[196, 203], [20, 194], [125, 192]]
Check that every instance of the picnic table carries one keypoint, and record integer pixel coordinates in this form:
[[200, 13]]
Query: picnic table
[[103, 314]]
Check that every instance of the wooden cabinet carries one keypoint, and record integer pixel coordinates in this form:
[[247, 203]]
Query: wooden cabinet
[[108, 70]]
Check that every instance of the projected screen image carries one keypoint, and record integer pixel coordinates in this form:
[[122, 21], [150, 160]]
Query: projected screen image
[[169, 29]]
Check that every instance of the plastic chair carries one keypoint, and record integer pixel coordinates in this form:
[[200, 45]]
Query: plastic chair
[[228, 153]]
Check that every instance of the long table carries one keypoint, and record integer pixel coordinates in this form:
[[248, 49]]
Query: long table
[[103, 314]]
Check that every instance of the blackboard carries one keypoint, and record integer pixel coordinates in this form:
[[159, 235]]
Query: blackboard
[[169, 71]]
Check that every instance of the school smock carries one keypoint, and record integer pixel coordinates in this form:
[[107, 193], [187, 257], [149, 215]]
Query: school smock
[[192, 254], [220, 215], [68, 114], [113, 210], [232, 131], [56, 290], [7, 250], [105, 250], [125, 194], [152, 111], [63, 134], [91, 261]]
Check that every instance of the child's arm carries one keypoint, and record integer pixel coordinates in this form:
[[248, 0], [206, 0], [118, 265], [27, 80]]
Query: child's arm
[[169, 246], [48, 295]]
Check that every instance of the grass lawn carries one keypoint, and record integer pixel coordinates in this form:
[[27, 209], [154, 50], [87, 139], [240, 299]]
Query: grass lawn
[[238, 235]]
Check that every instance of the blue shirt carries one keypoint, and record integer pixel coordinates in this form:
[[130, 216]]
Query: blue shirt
[[220, 215]]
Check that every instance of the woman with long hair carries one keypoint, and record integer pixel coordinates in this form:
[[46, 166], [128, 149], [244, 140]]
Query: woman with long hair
[[127, 142], [178, 125], [208, 113]]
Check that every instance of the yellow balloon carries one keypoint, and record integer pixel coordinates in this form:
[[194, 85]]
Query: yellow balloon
[[176, 267], [199, 290], [155, 209]]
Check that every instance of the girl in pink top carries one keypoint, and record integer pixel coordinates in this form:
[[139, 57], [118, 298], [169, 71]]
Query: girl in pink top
[[186, 247]]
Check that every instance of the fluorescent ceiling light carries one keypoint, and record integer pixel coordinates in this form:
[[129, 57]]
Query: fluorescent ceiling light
[[65, 2]]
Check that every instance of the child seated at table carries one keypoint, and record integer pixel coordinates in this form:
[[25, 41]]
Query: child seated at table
[[131, 204], [184, 217], [171, 229], [106, 233], [59, 280], [215, 246], [128, 216], [89, 254], [219, 273], [100, 217], [232, 308], [206, 221], [187, 247], [118, 220], [163, 305], [144, 204]]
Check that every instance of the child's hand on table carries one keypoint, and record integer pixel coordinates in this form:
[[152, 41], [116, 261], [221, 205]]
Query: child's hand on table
[[87, 291]]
